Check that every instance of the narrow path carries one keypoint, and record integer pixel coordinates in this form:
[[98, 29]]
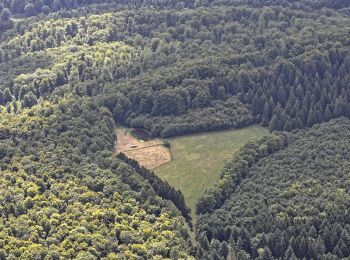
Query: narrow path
[[150, 154]]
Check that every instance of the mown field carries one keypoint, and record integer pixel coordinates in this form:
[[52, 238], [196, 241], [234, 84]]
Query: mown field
[[198, 159], [150, 153]]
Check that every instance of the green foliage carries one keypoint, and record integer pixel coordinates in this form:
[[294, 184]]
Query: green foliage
[[236, 171], [63, 193], [292, 204], [219, 115], [192, 66], [163, 189], [171, 67], [199, 158]]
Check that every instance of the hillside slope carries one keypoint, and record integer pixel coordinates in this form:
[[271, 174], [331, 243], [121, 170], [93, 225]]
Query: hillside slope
[[175, 71], [293, 203], [71, 70], [63, 193]]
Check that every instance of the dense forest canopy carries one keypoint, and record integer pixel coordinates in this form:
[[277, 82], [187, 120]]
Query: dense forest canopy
[[203, 68], [293, 204], [64, 194], [71, 70]]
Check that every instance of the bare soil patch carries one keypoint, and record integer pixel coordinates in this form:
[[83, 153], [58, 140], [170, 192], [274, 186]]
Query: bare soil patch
[[150, 154]]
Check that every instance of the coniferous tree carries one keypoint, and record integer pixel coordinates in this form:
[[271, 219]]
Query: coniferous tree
[[267, 255], [289, 255], [5, 15]]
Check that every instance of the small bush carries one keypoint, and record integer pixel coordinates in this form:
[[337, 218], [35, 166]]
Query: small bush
[[166, 144]]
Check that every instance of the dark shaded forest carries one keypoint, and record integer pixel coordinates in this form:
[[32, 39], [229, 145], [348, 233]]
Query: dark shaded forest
[[292, 204], [200, 68]]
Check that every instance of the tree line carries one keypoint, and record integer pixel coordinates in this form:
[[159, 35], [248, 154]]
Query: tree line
[[293, 204], [188, 66], [235, 171], [65, 194], [162, 188]]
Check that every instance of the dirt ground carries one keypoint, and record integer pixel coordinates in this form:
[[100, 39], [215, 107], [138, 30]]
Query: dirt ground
[[150, 154]]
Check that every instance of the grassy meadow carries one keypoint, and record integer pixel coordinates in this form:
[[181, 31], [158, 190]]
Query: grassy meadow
[[199, 158]]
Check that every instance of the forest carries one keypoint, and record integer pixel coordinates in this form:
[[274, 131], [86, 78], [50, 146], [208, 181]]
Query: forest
[[65, 195], [292, 204], [201, 69], [71, 71]]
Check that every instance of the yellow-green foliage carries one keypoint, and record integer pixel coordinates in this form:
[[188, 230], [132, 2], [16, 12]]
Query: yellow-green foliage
[[78, 49], [27, 120], [77, 63], [61, 32], [58, 197]]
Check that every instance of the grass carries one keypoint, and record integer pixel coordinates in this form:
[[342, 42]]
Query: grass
[[199, 158]]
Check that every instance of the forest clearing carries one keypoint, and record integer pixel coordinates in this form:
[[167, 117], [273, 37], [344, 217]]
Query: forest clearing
[[193, 161], [150, 154], [175, 129], [199, 158]]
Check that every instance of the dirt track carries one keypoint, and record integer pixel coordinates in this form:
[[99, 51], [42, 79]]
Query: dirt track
[[150, 154]]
